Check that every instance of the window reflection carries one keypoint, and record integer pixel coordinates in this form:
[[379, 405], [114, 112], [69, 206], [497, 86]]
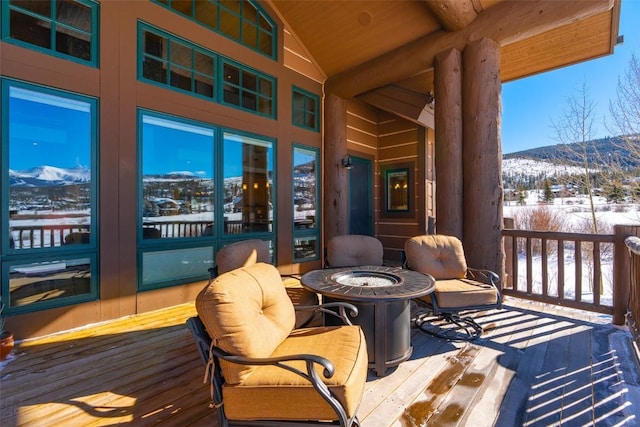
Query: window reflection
[[304, 189], [50, 143], [305, 194], [248, 179], [177, 179], [46, 282], [398, 190]]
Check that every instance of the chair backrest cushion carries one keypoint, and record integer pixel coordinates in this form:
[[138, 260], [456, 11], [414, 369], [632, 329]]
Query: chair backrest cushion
[[439, 255], [247, 313], [353, 250], [242, 254]]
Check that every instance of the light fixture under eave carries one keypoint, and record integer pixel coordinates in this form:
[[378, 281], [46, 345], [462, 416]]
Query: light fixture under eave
[[346, 162]]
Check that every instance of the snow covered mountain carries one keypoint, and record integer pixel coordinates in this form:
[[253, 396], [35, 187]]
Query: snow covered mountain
[[41, 176]]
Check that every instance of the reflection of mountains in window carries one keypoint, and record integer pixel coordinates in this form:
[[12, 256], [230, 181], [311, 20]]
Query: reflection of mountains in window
[[50, 187]]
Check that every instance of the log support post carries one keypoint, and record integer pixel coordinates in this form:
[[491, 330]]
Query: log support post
[[448, 143], [336, 188], [482, 159]]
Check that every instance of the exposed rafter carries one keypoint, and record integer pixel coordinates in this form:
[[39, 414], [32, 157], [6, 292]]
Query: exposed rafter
[[507, 23], [413, 106], [453, 15]]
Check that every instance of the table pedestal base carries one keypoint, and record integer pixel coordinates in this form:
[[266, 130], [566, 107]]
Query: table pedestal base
[[387, 329]]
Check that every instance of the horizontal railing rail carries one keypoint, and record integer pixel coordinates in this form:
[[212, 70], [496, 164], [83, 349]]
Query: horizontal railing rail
[[561, 268]]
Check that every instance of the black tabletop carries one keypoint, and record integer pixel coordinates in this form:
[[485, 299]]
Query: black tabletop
[[405, 284]]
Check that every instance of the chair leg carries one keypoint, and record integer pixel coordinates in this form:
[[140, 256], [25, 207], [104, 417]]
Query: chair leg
[[465, 329]]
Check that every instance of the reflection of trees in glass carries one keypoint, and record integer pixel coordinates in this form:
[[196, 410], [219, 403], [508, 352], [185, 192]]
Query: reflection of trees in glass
[[304, 188]]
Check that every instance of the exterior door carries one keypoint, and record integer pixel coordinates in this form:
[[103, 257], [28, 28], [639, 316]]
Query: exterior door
[[360, 197]]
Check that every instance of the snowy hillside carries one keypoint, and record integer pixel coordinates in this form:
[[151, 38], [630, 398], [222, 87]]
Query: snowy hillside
[[537, 168], [49, 175]]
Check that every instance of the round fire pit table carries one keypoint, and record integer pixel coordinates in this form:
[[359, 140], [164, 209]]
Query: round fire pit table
[[382, 296]]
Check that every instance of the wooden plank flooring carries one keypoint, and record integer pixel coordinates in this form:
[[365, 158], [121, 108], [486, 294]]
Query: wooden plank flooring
[[536, 365]]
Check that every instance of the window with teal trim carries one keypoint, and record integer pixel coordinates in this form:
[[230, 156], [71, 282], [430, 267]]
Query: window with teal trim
[[305, 203], [65, 28], [241, 20], [305, 109], [174, 62], [248, 89], [49, 245], [184, 211]]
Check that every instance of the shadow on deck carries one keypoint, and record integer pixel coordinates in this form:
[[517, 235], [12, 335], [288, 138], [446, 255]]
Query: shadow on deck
[[536, 365]]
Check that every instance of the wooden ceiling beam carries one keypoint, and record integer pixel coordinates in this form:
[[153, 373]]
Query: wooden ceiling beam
[[413, 106], [453, 15], [505, 23]]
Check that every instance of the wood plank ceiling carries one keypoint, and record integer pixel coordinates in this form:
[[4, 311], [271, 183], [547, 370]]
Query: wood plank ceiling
[[382, 50]]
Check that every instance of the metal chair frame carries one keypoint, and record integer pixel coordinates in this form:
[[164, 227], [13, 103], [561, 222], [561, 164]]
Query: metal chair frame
[[211, 356]]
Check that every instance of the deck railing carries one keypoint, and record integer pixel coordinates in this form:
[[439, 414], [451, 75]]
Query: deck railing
[[47, 236], [44, 236], [579, 270], [633, 313]]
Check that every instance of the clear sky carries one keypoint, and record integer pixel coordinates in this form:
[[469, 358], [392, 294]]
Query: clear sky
[[530, 105]]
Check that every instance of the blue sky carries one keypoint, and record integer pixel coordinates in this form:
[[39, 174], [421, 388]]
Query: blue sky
[[530, 105]]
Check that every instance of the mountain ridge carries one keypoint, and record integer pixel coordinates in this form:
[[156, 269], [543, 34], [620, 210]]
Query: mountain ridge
[[603, 152]]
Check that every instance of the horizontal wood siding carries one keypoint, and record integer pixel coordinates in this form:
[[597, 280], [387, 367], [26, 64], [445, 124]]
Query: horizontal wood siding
[[402, 144]]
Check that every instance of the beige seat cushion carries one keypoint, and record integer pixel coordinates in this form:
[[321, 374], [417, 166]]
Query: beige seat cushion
[[246, 312], [457, 293], [353, 250], [242, 254], [438, 255], [270, 392]]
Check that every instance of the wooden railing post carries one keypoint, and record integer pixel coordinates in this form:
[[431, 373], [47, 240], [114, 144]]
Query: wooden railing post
[[622, 272], [508, 251]]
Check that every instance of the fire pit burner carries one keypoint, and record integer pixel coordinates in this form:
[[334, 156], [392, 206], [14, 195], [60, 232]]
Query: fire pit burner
[[372, 279]]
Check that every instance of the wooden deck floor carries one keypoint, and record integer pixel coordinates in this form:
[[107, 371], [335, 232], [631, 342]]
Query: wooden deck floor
[[536, 365]]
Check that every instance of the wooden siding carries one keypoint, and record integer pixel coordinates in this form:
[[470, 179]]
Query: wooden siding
[[402, 144], [535, 365]]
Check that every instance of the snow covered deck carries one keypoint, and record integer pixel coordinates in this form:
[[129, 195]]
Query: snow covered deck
[[536, 365]]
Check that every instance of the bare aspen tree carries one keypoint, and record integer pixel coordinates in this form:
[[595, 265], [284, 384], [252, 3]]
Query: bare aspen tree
[[625, 110], [574, 129]]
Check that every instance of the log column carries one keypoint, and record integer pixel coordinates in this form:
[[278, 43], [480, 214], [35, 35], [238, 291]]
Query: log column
[[336, 206], [448, 143], [482, 160]]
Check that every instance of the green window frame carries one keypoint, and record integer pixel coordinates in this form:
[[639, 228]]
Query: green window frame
[[248, 89], [305, 109], [214, 187], [67, 29], [48, 226], [307, 208], [173, 62], [243, 21]]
